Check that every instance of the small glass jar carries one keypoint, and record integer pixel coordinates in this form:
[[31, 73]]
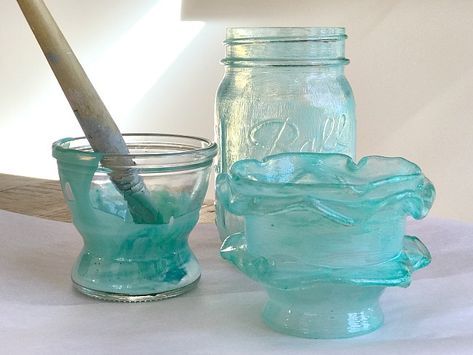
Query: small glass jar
[[284, 90], [125, 260]]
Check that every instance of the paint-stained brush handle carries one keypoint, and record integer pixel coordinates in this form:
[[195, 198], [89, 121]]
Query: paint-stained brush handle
[[94, 118]]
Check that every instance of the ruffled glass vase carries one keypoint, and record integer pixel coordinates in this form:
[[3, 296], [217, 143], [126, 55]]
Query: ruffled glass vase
[[325, 236]]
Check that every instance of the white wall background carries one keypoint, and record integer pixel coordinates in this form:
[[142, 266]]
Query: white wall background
[[411, 73]]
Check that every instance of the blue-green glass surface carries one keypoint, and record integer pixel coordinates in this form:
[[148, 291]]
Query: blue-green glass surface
[[284, 90], [122, 260], [325, 236]]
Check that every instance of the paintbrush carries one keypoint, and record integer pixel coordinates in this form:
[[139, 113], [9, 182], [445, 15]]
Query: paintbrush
[[94, 118]]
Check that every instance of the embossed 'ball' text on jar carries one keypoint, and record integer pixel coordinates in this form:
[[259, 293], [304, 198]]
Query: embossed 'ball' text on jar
[[284, 90]]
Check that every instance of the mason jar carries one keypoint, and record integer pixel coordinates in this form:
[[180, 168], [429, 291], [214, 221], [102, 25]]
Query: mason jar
[[284, 90]]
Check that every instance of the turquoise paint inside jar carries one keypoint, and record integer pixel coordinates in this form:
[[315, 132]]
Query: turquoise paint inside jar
[[122, 260]]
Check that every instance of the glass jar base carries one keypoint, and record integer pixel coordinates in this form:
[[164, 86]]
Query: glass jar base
[[126, 298]]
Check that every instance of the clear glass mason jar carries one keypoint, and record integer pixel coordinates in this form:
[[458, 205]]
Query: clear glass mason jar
[[284, 90]]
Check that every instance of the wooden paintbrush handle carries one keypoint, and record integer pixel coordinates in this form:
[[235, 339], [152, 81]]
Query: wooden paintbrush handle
[[94, 118]]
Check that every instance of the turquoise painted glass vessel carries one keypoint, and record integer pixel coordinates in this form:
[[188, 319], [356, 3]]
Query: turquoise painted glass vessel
[[325, 236], [122, 260], [284, 90]]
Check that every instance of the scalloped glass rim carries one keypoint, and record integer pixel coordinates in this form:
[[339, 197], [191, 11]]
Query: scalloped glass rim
[[241, 169], [332, 184]]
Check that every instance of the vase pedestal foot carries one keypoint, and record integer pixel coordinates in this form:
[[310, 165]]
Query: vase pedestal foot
[[325, 311]]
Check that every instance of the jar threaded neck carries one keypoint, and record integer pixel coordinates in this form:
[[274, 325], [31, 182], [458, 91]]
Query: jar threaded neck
[[285, 46]]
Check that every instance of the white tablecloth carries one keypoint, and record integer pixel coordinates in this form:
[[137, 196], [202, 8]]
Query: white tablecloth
[[41, 313]]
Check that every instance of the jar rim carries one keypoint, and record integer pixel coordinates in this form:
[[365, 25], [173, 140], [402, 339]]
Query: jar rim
[[269, 34], [86, 149], [155, 152]]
